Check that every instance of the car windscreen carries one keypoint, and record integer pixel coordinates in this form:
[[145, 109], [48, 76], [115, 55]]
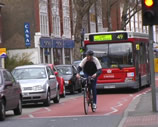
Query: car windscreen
[[113, 55], [76, 63], [29, 73], [64, 70]]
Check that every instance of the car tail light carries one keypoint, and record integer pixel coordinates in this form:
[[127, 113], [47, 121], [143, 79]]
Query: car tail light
[[69, 82]]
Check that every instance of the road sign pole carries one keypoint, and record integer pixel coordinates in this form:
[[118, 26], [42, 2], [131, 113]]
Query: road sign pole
[[154, 103], [3, 62]]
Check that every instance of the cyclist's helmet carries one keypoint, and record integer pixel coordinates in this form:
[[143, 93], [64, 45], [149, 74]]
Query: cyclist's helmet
[[89, 53]]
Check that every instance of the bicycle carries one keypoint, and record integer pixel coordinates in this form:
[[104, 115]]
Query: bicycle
[[88, 94]]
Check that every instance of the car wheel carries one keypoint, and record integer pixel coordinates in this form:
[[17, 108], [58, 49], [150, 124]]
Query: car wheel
[[2, 111], [64, 92], [18, 109], [47, 101], [57, 98]]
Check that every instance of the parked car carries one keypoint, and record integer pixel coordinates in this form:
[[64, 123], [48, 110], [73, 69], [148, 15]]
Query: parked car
[[10, 94], [76, 64], [68, 72], [38, 83], [60, 81]]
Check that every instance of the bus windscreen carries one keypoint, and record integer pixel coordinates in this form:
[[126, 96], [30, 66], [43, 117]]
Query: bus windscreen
[[113, 55]]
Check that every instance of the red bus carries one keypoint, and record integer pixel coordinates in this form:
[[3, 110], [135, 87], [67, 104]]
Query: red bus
[[124, 57]]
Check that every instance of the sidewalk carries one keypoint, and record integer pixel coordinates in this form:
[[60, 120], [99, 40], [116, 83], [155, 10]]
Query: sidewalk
[[140, 112]]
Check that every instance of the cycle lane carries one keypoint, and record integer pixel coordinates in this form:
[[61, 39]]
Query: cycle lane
[[107, 104]]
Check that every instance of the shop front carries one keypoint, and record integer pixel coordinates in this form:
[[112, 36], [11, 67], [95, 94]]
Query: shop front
[[58, 54], [68, 46], [56, 50]]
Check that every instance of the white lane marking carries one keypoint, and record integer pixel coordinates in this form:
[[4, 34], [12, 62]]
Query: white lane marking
[[75, 118], [31, 116], [53, 120], [70, 116], [48, 109], [120, 103]]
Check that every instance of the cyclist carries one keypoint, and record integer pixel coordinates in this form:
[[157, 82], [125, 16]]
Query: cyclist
[[91, 67]]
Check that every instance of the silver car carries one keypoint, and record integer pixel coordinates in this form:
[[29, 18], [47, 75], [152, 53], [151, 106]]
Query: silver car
[[38, 83]]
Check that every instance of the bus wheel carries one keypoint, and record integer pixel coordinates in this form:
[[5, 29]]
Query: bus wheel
[[148, 81], [140, 82]]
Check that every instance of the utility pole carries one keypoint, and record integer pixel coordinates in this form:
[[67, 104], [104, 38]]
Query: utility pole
[[150, 18], [154, 101]]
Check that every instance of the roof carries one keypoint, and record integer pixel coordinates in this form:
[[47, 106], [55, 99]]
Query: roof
[[61, 65], [30, 66]]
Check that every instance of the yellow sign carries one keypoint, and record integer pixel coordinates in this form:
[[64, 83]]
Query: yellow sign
[[3, 51], [103, 37], [137, 47]]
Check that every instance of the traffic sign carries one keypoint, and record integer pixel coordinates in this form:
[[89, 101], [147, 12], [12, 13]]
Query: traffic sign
[[3, 52], [27, 34]]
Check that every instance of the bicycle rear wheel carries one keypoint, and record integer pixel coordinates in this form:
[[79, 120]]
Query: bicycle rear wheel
[[85, 99]]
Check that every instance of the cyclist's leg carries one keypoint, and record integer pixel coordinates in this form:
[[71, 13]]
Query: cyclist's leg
[[94, 91], [83, 83]]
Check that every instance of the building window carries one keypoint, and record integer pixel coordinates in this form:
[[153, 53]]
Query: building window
[[44, 27], [67, 27], [66, 19], [56, 26], [56, 18]]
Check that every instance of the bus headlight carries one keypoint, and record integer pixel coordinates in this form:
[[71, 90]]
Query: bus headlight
[[130, 74], [130, 77]]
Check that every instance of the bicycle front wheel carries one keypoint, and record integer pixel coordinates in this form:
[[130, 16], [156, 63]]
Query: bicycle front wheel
[[85, 99], [91, 100]]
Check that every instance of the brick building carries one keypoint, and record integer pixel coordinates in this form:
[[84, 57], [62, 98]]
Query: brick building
[[45, 28], [41, 28]]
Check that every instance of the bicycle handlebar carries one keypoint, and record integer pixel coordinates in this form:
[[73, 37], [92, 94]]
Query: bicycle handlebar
[[89, 77], [87, 80]]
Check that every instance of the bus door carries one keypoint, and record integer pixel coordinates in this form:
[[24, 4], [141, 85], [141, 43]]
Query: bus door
[[137, 62], [141, 63]]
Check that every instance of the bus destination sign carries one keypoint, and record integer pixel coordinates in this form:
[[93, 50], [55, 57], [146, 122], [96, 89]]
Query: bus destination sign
[[108, 37]]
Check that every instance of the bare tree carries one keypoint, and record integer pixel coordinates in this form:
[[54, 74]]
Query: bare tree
[[82, 7], [129, 10], [109, 6]]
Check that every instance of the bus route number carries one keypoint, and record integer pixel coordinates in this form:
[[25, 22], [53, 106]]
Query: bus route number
[[120, 36]]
